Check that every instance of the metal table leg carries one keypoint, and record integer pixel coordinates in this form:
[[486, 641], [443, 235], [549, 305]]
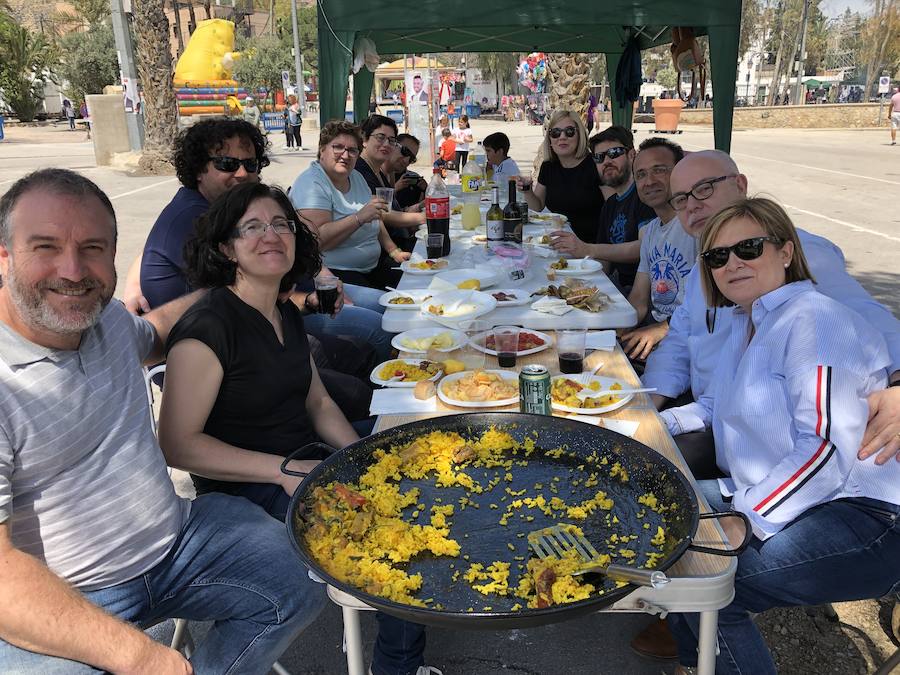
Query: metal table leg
[[353, 641], [706, 663]]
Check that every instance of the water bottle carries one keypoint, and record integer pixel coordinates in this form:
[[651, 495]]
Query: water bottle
[[437, 209]]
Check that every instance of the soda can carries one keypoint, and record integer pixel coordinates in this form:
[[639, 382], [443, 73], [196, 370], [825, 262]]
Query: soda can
[[534, 390]]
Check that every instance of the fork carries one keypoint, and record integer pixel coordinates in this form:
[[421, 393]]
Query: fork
[[590, 393], [557, 541], [585, 378]]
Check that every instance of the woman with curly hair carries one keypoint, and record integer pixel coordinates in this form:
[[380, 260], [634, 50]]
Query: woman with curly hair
[[241, 388]]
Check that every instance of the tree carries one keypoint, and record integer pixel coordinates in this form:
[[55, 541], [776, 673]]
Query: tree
[[26, 60], [307, 29], [154, 57], [667, 78], [881, 41], [500, 67], [88, 61], [262, 60], [78, 14], [570, 82]]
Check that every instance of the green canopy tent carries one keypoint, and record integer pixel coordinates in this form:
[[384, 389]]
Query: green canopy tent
[[521, 26]]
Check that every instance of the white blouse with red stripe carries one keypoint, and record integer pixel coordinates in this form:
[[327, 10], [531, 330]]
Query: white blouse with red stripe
[[789, 409]]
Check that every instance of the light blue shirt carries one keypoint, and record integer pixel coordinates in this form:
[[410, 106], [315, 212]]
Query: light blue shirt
[[688, 355], [788, 409], [504, 171], [668, 254], [313, 189]]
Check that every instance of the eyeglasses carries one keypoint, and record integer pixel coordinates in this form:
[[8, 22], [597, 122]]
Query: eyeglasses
[[556, 132], [748, 249], [339, 150], [383, 138], [700, 192], [657, 171], [612, 153], [232, 164], [255, 229], [409, 154]]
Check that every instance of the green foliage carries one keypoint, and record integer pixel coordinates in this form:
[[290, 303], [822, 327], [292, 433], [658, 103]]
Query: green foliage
[[262, 60], [88, 61], [26, 60], [667, 78], [307, 29], [80, 14], [499, 66]]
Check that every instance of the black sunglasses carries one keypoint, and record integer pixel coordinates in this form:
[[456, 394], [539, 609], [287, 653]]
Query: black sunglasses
[[409, 154], [748, 249], [556, 132], [232, 164], [612, 153]]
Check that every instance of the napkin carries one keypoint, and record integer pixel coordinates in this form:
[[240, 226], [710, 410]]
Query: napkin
[[604, 340], [542, 251], [441, 285], [396, 401], [624, 427], [548, 305]]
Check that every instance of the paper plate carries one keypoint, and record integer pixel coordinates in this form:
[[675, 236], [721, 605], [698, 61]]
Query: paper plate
[[477, 342], [485, 277], [418, 296], [458, 305], [407, 266], [512, 376], [576, 267], [459, 339], [388, 383], [605, 384]]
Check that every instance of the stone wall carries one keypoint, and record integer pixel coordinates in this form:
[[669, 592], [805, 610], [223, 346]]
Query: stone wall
[[838, 116]]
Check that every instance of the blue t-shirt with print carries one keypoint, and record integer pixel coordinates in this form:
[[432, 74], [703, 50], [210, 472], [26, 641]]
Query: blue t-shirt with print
[[621, 219]]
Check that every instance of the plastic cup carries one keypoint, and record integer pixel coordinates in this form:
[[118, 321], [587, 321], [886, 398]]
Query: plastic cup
[[434, 245], [475, 329], [327, 292], [506, 344], [387, 194], [570, 347]]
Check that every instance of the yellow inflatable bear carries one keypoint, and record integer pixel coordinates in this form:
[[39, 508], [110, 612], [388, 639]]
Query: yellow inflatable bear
[[209, 56]]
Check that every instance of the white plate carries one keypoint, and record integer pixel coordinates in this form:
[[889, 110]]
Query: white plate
[[386, 383], [506, 375], [485, 277], [477, 342], [474, 304], [536, 218], [459, 339], [605, 384], [579, 266], [417, 294], [407, 267], [523, 297]]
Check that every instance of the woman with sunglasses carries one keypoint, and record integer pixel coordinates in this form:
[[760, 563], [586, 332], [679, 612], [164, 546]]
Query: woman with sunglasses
[[380, 144], [788, 411], [335, 198], [567, 182]]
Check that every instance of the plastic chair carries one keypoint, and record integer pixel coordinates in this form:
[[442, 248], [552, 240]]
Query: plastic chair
[[181, 639]]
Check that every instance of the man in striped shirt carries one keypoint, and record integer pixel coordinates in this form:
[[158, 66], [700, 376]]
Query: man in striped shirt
[[94, 542]]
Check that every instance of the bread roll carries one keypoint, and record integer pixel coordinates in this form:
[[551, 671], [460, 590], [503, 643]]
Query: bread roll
[[424, 389]]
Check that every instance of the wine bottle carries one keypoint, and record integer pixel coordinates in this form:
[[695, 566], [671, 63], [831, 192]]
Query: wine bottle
[[495, 219], [512, 217]]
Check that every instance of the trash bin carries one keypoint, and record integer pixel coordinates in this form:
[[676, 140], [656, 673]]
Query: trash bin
[[1, 127]]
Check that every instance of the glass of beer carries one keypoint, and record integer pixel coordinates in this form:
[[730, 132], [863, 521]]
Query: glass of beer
[[327, 293]]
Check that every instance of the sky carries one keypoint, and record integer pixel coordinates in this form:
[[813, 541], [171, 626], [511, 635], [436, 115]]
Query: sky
[[832, 8]]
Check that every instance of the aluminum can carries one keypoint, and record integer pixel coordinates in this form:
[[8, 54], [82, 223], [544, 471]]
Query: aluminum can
[[534, 390]]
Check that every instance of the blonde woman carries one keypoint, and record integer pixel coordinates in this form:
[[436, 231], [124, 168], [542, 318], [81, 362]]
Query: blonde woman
[[567, 182]]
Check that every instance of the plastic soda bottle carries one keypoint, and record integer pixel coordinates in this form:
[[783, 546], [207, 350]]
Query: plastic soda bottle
[[472, 180], [437, 209]]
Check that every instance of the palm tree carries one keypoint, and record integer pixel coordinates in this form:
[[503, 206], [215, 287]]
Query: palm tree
[[154, 57], [570, 82], [26, 59]]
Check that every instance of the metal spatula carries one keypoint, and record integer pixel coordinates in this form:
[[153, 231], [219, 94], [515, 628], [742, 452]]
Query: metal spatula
[[556, 541]]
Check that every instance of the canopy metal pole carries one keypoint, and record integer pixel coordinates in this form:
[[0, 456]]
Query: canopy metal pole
[[298, 63], [405, 96]]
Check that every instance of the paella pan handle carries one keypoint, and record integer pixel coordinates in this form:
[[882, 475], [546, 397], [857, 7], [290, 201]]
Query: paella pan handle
[[302, 452], [748, 534]]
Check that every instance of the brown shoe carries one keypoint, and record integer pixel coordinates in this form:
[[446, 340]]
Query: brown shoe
[[656, 642]]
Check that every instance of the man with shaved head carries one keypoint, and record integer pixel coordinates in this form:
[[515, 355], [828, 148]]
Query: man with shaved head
[[682, 366]]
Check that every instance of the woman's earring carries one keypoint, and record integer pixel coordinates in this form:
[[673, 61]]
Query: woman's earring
[[786, 265]]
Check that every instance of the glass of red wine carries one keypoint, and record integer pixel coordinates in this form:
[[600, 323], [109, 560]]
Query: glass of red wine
[[570, 346], [327, 292], [434, 245], [506, 344]]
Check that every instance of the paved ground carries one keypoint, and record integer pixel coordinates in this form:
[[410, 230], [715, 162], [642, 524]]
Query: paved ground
[[840, 184]]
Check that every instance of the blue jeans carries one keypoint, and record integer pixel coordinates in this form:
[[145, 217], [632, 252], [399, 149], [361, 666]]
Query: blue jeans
[[400, 645], [842, 550], [231, 564], [361, 320]]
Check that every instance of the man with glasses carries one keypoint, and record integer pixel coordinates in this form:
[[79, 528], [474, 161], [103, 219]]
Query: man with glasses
[[668, 252], [681, 367], [623, 214], [409, 187]]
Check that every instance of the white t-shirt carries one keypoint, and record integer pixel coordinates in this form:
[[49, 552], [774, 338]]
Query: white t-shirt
[[505, 170], [459, 135], [667, 255]]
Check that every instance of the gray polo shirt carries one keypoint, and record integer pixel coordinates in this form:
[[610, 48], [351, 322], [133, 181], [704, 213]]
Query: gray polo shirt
[[667, 255], [83, 483]]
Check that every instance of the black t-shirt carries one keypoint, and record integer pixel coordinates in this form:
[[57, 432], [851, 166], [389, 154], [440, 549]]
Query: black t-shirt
[[575, 193], [373, 180], [620, 220], [261, 404]]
